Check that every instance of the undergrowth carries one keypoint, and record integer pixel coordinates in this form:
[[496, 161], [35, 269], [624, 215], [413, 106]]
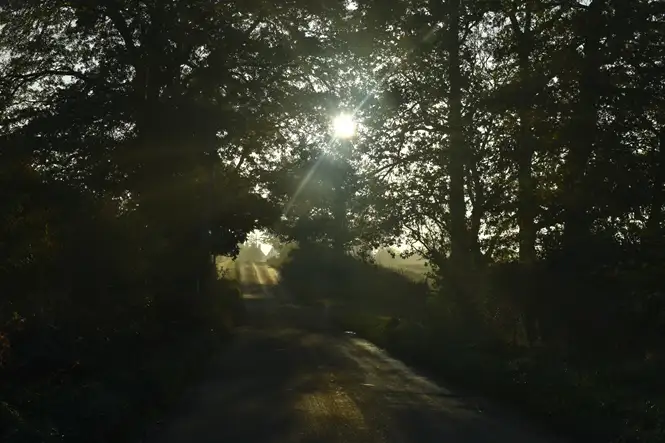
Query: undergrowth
[[74, 381], [585, 397]]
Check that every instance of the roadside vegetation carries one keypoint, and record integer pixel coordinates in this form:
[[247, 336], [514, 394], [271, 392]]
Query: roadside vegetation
[[66, 373], [583, 393]]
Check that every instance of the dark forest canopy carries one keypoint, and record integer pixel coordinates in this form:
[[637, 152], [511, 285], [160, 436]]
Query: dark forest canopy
[[539, 119]]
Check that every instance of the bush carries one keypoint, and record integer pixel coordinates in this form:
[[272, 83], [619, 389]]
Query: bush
[[100, 374], [314, 273]]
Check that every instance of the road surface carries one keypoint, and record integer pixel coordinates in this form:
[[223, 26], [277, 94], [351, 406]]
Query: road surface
[[287, 379]]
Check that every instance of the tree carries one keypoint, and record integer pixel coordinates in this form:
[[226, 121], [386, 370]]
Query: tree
[[318, 191], [144, 105]]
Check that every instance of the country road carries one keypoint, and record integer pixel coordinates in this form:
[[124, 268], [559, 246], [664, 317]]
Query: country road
[[286, 378]]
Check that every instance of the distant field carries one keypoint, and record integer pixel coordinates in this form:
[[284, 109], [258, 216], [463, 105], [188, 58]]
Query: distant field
[[415, 271]]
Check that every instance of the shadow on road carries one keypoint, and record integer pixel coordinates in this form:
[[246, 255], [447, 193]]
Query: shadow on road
[[254, 391], [289, 377]]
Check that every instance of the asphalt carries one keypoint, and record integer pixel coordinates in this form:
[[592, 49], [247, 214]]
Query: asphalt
[[288, 377]]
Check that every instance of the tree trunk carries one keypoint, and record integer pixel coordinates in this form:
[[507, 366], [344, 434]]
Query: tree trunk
[[526, 202], [340, 205], [654, 225], [456, 155], [526, 147], [340, 220], [478, 205], [577, 220]]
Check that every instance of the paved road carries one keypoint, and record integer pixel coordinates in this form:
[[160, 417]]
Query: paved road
[[286, 379]]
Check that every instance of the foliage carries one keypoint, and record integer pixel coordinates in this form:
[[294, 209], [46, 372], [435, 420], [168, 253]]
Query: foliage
[[134, 138], [55, 387], [323, 201], [556, 123], [250, 252], [309, 271]]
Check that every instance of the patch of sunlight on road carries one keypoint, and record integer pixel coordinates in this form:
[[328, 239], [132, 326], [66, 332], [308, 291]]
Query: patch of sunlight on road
[[331, 412], [271, 275], [401, 386], [265, 275], [389, 362], [258, 274], [382, 361], [241, 270]]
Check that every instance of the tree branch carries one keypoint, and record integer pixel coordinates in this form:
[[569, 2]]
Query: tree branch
[[120, 24], [46, 72], [21, 80]]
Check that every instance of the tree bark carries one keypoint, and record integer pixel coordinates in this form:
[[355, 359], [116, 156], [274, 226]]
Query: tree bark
[[526, 201], [577, 220], [654, 225], [457, 152], [526, 146]]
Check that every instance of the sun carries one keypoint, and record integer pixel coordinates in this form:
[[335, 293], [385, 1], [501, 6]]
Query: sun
[[344, 126]]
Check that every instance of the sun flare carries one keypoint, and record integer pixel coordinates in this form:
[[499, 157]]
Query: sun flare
[[344, 126]]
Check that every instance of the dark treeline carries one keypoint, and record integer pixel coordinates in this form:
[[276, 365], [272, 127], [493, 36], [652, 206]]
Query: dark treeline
[[518, 146]]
